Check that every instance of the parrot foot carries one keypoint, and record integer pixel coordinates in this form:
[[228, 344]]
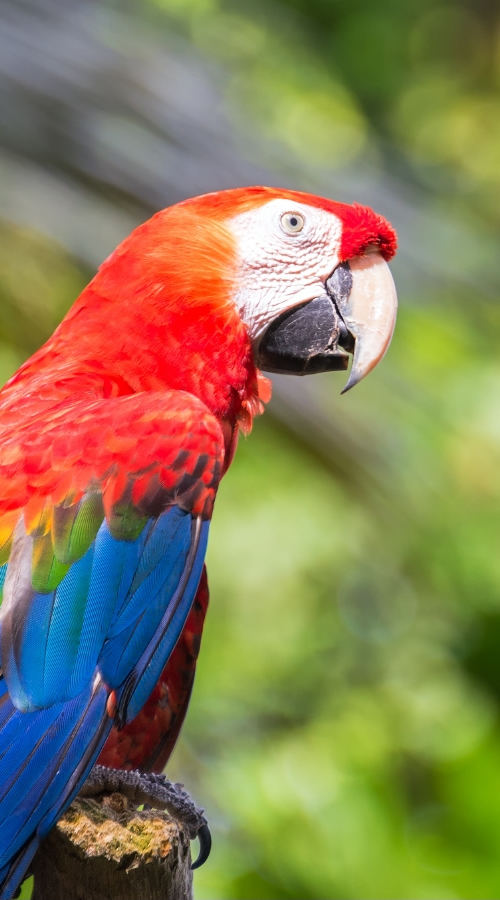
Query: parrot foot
[[157, 792]]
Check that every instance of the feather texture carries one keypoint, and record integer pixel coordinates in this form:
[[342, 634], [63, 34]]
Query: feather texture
[[147, 741]]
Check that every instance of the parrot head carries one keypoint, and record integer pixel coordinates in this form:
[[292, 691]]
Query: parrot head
[[313, 282], [208, 293]]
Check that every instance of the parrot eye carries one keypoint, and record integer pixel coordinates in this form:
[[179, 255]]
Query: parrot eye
[[292, 222]]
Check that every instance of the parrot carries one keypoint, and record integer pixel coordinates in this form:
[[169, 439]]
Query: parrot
[[115, 435]]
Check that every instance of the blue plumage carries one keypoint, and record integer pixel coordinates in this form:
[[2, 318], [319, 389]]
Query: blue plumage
[[147, 670], [111, 623], [153, 585], [54, 755]]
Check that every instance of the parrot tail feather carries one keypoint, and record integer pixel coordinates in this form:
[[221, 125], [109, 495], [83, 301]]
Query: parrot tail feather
[[44, 760]]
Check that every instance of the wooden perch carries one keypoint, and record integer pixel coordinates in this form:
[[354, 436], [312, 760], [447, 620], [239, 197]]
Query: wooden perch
[[107, 849]]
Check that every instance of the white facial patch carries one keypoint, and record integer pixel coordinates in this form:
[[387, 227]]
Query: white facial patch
[[279, 269]]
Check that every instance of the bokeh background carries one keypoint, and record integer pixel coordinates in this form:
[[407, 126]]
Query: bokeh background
[[344, 731]]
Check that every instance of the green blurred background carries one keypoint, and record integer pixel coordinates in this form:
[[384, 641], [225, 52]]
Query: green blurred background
[[344, 731]]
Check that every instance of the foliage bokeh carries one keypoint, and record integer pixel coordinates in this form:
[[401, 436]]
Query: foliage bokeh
[[344, 731]]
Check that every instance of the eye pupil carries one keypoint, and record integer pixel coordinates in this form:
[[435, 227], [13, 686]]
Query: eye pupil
[[292, 223]]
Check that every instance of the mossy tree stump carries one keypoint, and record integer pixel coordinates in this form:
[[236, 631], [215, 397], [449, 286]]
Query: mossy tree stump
[[109, 850]]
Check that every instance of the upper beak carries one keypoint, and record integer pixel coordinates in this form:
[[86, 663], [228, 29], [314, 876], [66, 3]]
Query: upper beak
[[364, 293]]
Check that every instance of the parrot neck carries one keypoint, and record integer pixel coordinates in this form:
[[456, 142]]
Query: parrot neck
[[201, 355]]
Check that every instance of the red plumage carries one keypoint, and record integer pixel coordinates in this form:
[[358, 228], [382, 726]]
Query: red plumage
[[140, 394]]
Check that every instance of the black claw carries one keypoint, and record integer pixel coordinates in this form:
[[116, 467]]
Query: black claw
[[205, 839]]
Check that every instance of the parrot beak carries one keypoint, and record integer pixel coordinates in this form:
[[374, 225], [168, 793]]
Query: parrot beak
[[364, 293], [304, 340], [357, 314]]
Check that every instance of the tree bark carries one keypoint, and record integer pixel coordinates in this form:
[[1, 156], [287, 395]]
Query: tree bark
[[108, 850]]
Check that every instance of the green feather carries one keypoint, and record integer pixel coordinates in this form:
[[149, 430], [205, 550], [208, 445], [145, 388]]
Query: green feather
[[74, 528], [5, 551], [125, 523], [47, 572]]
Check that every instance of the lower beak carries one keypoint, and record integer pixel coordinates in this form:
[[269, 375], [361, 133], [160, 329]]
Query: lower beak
[[304, 340], [364, 293]]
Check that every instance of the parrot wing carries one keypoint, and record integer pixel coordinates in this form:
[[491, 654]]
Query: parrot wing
[[104, 512], [146, 742]]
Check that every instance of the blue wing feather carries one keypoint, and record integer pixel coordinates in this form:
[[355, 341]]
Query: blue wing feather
[[154, 584], [111, 559], [51, 773], [155, 566], [31, 654], [6, 707], [147, 670]]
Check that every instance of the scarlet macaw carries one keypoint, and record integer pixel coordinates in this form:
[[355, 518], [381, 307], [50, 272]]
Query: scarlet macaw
[[115, 435]]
